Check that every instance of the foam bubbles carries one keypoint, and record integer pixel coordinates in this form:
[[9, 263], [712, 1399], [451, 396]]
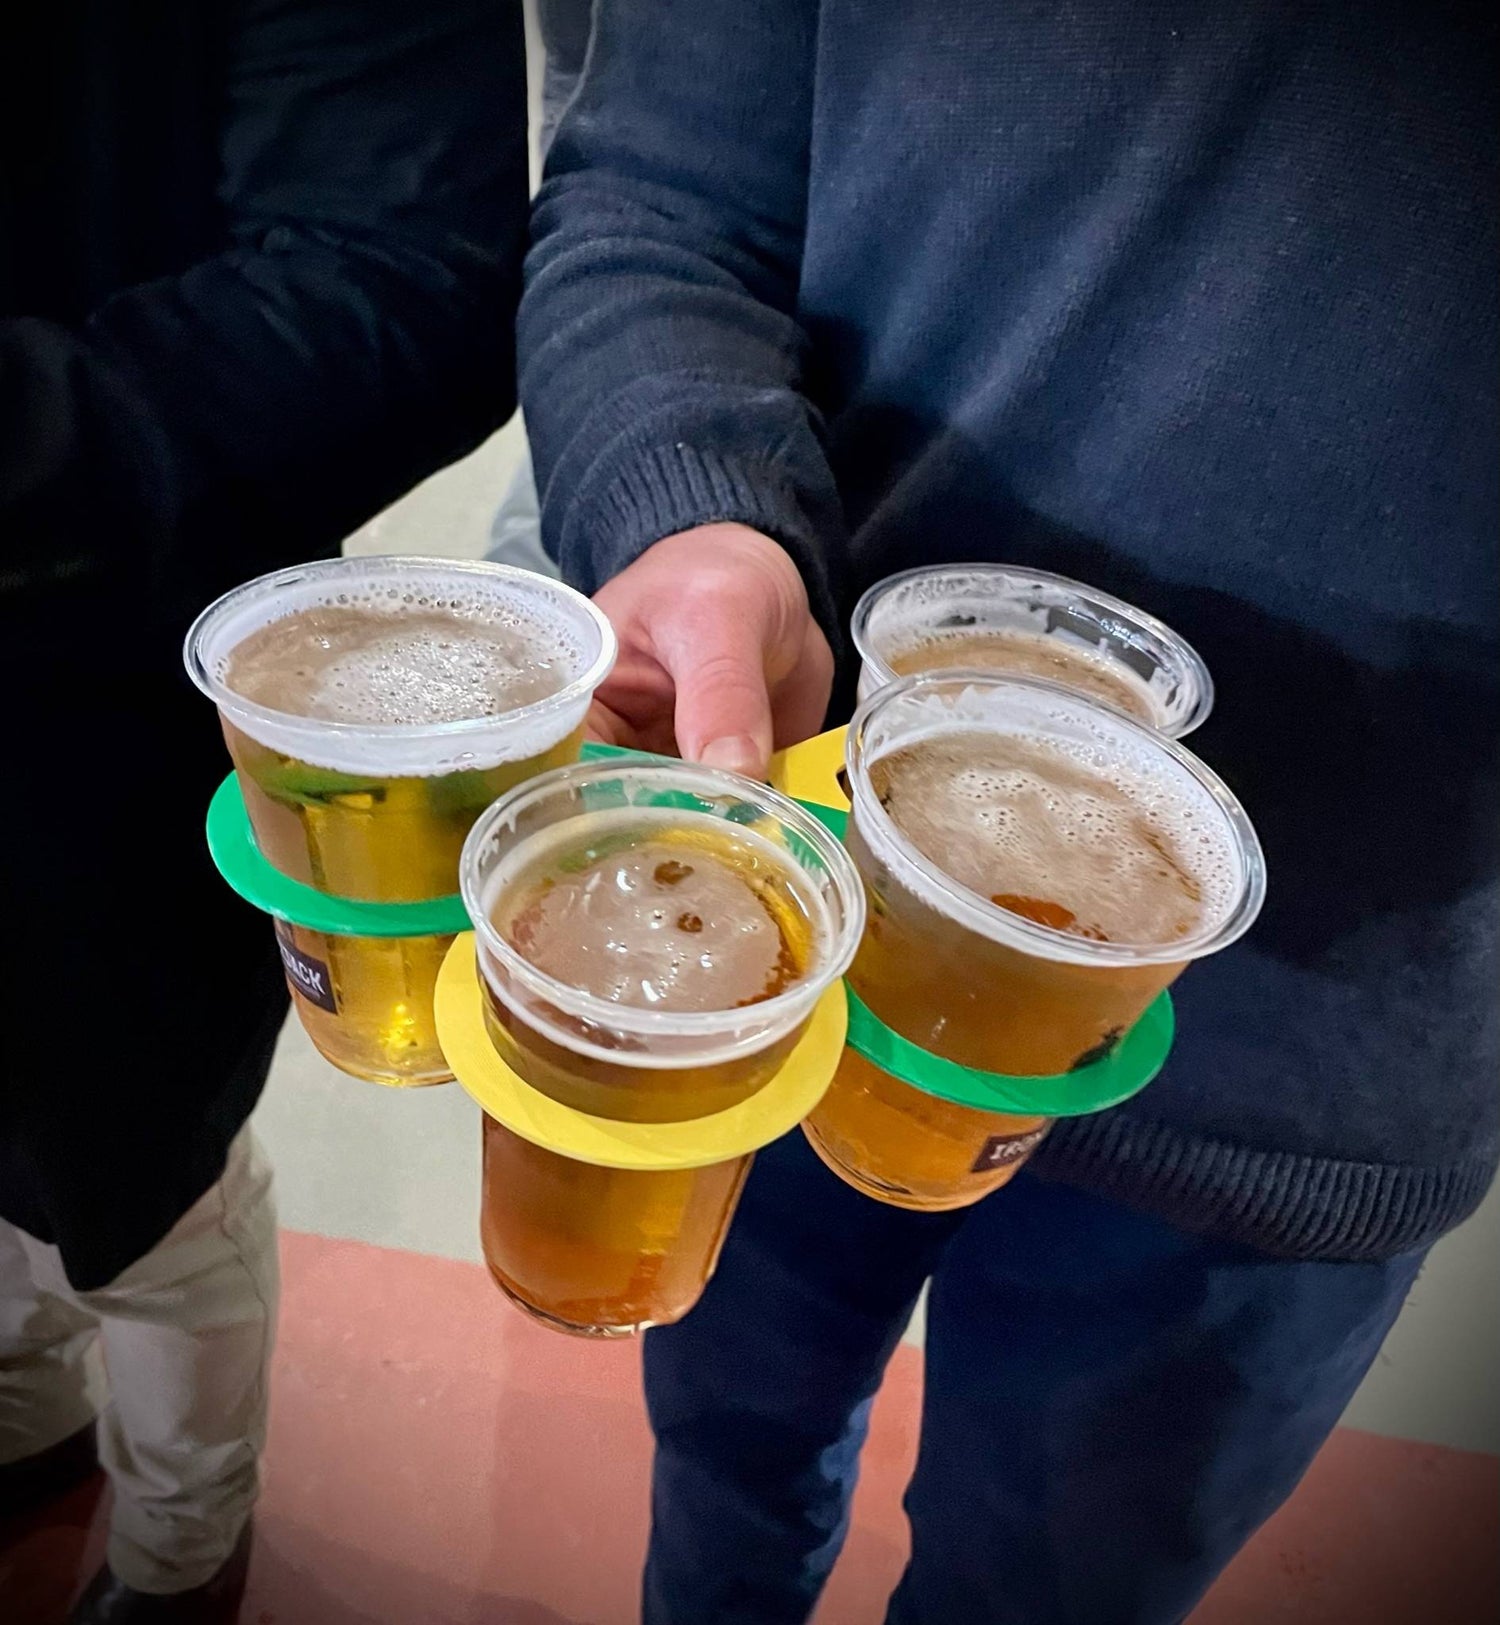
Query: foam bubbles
[[660, 909], [1028, 653], [388, 650], [1063, 818], [1028, 622], [406, 666]]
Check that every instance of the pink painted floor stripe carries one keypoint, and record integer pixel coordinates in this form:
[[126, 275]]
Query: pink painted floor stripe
[[437, 1460]]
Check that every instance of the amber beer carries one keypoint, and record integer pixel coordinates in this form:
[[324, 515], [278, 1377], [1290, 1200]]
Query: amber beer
[[1031, 623], [373, 708], [1038, 868], [652, 942], [601, 1252]]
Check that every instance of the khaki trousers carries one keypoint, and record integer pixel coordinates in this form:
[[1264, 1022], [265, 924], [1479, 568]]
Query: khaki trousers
[[173, 1357]]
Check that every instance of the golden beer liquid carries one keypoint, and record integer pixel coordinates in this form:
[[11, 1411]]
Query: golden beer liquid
[[376, 840], [604, 1252], [912, 1150], [970, 999], [1029, 654], [601, 1252], [628, 1093]]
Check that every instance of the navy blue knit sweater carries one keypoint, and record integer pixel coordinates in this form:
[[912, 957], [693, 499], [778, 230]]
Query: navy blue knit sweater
[[1193, 300]]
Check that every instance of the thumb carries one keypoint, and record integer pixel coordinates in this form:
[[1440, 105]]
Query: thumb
[[723, 710]]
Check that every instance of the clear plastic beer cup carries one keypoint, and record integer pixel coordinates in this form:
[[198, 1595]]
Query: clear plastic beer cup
[[378, 810], [1038, 869], [1030, 623], [653, 940]]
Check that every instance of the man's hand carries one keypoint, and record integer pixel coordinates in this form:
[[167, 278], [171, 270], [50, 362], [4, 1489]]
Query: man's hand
[[720, 658]]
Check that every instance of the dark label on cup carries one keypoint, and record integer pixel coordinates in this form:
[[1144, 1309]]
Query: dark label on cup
[[1000, 1150], [1100, 1051], [304, 974]]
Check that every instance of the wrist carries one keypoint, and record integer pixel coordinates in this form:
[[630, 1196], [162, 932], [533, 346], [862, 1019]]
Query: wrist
[[669, 489]]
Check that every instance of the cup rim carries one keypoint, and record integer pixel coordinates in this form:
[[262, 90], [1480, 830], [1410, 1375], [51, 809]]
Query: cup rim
[[967, 907], [1132, 615], [770, 1016], [290, 723]]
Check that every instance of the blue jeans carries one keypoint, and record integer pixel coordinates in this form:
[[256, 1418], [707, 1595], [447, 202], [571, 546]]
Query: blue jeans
[[1112, 1407]]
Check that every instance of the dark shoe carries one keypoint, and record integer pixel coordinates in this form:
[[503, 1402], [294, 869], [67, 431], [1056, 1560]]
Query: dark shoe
[[33, 1481], [109, 1601]]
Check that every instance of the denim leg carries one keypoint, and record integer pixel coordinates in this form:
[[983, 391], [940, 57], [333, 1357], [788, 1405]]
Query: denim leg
[[1113, 1407], [760, 1398]]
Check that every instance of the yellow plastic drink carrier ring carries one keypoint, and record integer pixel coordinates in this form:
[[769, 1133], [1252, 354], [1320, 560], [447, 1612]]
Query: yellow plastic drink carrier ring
[[776, 1108]]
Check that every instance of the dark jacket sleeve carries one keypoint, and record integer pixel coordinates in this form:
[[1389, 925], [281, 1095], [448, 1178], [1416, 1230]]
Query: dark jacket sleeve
[[661, 356], [355, 332]]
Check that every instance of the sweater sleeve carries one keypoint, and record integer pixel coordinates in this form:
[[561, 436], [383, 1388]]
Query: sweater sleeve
[[354, 332], [662, 364]]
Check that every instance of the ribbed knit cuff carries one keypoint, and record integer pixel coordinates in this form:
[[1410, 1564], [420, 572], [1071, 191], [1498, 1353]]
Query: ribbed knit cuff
[[661, 490], [1292, 1206]]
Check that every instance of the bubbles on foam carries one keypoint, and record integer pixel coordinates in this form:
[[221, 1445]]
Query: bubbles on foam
[[1119, 836], [425, 673], [391, 668], [1031, 652], [512, 602], [498, 605], [661, 908], [1059, 805]]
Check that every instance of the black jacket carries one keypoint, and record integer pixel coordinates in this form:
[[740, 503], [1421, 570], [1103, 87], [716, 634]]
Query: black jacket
[[258, 269]]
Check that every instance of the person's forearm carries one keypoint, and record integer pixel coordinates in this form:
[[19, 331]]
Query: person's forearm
[[74, 450], [370, 361], [356, 331]]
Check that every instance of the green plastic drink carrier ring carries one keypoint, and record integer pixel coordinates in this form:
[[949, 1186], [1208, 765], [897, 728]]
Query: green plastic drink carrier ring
[[1129, 1066], [232, 845]]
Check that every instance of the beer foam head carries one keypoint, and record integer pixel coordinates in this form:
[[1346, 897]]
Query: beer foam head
[[588, 807], [1162, 676], [421, 667], [1109, 843], [662, 909], [413, 666]]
